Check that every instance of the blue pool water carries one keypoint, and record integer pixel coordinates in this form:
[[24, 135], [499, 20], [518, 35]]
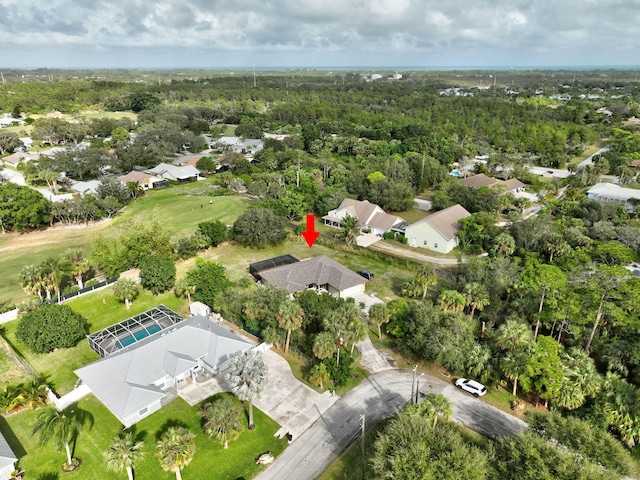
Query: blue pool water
[[139, 335], [455, 173]]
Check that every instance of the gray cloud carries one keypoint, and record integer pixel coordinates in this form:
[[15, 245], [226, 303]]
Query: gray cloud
[[327, 32]]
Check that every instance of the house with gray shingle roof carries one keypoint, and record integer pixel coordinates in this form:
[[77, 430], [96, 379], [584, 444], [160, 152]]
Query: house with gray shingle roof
[[481, 180], [370, 216], [186, 173], [318, 273], [139, 379], [438, 231], [8, 459]]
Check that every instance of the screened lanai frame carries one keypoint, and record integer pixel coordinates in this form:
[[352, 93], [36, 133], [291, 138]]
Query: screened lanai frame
[[111, 339]]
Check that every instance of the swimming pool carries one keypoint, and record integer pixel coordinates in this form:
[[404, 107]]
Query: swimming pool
[[455, 173], [139, 335]]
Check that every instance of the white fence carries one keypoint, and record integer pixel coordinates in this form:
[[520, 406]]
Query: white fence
[[8, 316], [70, 398]]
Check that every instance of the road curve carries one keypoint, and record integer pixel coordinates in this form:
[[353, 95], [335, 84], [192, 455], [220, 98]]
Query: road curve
[[380, 396]]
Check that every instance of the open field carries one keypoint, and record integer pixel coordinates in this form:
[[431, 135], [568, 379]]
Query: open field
[[177, 208], [210, 459]]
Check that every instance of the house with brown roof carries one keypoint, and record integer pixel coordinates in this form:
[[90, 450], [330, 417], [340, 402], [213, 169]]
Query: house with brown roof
[[370, 216], [512, 185], [145, 180], [317, 273], [439, 231]]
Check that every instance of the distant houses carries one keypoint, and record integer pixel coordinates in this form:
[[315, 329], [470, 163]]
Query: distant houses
[[370, 216], [512, 185], [185, 173], [610, 192]]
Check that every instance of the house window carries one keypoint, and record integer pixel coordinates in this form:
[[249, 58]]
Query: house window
[[424, 242], [435, 245], [144, 411]]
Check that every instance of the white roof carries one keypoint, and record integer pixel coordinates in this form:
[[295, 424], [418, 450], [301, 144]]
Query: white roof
[[175, 171], [613, 191]]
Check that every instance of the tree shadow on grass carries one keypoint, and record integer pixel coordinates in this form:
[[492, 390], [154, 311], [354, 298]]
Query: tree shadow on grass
[[48, 476], [172, 422]]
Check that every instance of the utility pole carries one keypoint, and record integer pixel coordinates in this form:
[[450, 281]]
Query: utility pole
[[413, 383], [418, 386], [339, 345], [2, 75], [364, 456], [158, 73], [286, 81]]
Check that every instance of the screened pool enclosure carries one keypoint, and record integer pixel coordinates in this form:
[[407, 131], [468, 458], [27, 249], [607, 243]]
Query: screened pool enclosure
[[132, 330]]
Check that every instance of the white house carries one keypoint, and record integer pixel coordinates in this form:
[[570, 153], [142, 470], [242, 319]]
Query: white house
[[84, 188], [149, 359], [610, 192], [185, 173], [145, 180], [317, 273], [438, 231], [369, 215], [8, 459], [11, 176]]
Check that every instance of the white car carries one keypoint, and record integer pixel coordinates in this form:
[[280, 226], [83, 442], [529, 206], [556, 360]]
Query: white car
[[471, 386]]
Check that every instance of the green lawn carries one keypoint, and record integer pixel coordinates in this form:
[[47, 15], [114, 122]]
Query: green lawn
[[210, 460], [177, 208], [58, 366]]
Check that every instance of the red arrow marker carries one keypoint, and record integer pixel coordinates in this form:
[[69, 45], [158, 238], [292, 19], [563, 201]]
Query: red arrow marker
[[310, 235]]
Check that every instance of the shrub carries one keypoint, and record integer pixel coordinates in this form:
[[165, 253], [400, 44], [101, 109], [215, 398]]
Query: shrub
[[50, 327], [186, 248], [389, 235]]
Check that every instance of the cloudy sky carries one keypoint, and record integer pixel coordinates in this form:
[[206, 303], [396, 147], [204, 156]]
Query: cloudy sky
[[322, 33]]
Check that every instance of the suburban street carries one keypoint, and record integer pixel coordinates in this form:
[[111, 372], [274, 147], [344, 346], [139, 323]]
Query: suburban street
[[380, 396]]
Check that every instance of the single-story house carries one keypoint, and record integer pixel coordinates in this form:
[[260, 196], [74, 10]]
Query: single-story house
[[83, 188], [153, 364], [317, 273], [16, 158], [145, 180], [610, 192], [8, 459], [49, 195], [438, 231], [512, 185], [11, 176], [370, 216], [8, 120], [239, 145], [186, 173], [257, 268]]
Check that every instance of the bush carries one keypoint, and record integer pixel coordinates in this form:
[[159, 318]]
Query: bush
[[389, 235], [51, 327], [341, 373], [157, 274], [186, 248]]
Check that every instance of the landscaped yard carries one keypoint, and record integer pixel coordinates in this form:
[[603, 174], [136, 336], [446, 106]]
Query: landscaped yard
[[211, 461], [58, 366]]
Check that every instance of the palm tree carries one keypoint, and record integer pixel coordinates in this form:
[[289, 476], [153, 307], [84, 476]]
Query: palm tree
[[289, 316], [50, 276], [451, 300], [580, 379], [247, 377], [324, 345], [476, 296], [440, 405], [222, 420], [135, 189], [125, 290], [51, 178], [319, 374], [350, 229], [175, 450], [63, 427], [78, 265], [123, 453], [31, 281], [426, 277], [357, 331], [379, 314], [512, 334], [514, 364], [184, 288], [480, 362]]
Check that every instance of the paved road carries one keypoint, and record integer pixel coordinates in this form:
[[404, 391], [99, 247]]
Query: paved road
[[589, 160], [380, 396]]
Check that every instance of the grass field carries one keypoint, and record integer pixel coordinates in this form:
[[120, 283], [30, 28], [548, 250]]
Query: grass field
[[210, 459], [177, 208], [58, 366]]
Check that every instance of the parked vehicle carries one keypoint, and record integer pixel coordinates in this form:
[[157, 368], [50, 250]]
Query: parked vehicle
[[475, 388], [366, 274]]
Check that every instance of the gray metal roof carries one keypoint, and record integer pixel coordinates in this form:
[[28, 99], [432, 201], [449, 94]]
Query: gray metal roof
[[312, 271], [123, 381], [7, 457]]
